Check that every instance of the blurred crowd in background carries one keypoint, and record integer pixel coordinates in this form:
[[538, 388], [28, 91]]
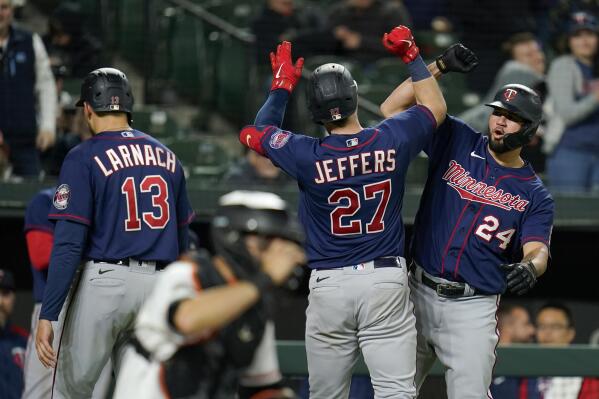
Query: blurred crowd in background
[[549, 45]]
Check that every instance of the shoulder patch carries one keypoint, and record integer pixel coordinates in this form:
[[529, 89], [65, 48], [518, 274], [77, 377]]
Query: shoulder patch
[[61, 196], [279, 139]]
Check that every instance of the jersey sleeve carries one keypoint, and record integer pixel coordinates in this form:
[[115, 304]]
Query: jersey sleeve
[[185, 213], [283, 148], [412, 128], [73, 199], [538, 224]]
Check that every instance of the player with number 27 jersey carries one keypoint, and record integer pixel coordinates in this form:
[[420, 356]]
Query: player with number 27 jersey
[[355, 185], [130, 190]]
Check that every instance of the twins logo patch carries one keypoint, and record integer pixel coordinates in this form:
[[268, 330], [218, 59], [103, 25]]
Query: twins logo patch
[[61, 196], [279, 139]]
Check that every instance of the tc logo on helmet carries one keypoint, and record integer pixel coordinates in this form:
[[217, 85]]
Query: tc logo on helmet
[[509, 94]]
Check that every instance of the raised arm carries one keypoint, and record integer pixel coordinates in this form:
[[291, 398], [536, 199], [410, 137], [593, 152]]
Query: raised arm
[[426, 89], [456, 58]]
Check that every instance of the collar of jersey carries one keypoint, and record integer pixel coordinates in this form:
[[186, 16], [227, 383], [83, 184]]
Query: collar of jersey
[[115, 133], [338, 140], [525, 170]]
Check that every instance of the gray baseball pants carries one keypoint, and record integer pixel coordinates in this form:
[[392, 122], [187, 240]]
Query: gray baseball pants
[[367, 309]]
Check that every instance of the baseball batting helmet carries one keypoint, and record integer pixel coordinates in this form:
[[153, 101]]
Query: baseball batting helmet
[[332, 93], [245, 212], [525, 104], [107, 90]]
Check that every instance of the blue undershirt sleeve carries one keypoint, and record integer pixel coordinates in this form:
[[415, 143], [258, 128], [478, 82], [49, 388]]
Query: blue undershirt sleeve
[[69, 243], [273, 110]]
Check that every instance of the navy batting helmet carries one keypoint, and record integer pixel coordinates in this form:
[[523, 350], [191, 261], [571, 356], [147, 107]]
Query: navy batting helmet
[[107, 90], [525, 104], [332, 93], [247, 212]]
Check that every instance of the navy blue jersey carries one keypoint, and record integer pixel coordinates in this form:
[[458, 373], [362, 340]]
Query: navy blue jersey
[[351, 186], [36, 218], [129, 189], [474, 213]]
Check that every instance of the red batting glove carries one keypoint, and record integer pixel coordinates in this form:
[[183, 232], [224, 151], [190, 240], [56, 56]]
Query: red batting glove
[[285, 74], [401, 43]]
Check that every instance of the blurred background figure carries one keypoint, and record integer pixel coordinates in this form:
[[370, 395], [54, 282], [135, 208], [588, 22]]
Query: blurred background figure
[[281, 20], [515, 327], [69, 43], [483, 27], [514, 324], [13, 341], [254, 169], [358, 26], [555, 327], [27, 95], [525, 65], [572, 139]]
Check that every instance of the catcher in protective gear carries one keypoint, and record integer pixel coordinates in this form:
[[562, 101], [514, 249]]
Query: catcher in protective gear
[[204, 331]]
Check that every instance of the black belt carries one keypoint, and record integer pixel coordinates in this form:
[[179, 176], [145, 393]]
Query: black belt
[[125, 262], [447, 290]]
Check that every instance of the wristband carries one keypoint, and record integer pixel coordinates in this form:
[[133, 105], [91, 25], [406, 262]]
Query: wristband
[[418, 70]]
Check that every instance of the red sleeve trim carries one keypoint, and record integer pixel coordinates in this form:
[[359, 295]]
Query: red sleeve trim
[[252, 138], [19, 331], [39, 247], [68, 216], [428, 113]]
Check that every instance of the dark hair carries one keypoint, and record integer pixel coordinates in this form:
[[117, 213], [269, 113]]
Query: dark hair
[[515, 39], [506, 309], [335, 124], [561, 307]]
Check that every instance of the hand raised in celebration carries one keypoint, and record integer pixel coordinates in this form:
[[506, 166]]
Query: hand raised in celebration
[[285, 73], [457, 58], [401, 43]]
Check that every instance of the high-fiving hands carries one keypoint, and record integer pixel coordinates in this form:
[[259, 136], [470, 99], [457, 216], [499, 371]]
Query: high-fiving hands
[[401, 43], [285, 74]]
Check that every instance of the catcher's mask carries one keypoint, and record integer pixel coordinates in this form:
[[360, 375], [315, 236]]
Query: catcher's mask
[[251, 212]]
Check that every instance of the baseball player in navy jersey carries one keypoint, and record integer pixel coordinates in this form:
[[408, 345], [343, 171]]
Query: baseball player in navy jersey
[[351, 191], [121, 208], [39, 235], [483, 227], [203, 331]]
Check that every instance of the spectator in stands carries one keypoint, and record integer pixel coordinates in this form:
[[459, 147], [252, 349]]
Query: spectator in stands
[[526, 65], [70, 44], [484, 26], [281, 20], [13, 341], [254, 169], [515, 327], [573, 141], [555, 327], [25, 80], [358, 26]]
